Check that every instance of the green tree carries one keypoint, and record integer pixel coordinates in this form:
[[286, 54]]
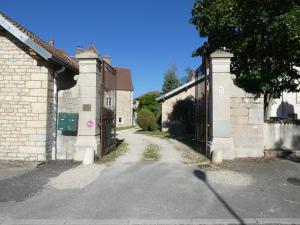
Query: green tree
[[170, 80], [190, 73], [148, 101], [263, 35]]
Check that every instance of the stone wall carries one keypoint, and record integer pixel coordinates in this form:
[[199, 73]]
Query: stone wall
[[281, 136], [26, 97], [89, 103], [124, 108], [246, 115], [168, 104], [236, 118], [68, 102]]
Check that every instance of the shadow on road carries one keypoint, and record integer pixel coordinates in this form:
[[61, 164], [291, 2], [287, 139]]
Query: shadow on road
[[202, 176], [28, 184]]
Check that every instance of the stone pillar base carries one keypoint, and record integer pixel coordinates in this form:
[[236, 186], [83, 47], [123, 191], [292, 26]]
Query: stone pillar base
[[83, 143], [224, 147]]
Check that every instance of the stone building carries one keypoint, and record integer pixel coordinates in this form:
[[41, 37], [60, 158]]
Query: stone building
[[169, 121], [124, 106], [32, 73], [52, 106]]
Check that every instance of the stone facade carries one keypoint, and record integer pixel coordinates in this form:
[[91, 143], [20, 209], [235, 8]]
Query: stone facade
[[26, 98], [89, 84], [124, 108], [68, 102], [168, 104], [247, 124], [236, 117]]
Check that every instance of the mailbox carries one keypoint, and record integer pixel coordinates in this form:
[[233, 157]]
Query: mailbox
[[68, 121]]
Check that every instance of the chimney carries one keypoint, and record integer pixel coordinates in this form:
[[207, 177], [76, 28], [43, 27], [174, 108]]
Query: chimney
[[107, 59], [51, 42], [92, 48], [193, 77], [79, 49]]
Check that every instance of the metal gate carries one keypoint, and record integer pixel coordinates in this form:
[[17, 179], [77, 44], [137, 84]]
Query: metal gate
[[202, 110], [108, 109]]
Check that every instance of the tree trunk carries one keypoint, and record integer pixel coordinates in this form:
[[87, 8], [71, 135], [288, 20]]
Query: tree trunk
[[267, 106]]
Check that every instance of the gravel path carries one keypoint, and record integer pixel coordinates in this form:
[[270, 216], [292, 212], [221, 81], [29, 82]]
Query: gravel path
[[78, 177], [138, 142]]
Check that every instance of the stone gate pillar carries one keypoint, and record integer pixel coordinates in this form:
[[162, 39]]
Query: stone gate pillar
[[89, 82], [221, 144]]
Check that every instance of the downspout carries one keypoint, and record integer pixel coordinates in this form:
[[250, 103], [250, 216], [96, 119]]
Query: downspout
[[55, 111]]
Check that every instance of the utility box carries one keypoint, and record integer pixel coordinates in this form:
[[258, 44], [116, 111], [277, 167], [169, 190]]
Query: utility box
[[68, 122]]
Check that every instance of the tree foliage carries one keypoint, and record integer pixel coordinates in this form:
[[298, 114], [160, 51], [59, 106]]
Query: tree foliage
[[184, 110], [170, 80], [263, 35], [148, 101], [188, 77], [146, 120]]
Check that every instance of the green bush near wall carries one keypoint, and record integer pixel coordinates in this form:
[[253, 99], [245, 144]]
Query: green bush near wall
[[146, 120]]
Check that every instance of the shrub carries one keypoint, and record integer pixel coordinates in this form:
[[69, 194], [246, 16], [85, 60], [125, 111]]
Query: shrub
[[148, 101], [146, 120]]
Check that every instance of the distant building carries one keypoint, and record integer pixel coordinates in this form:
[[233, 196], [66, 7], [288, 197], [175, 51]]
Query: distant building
[[287, 106], [124, 105], [170, 119]]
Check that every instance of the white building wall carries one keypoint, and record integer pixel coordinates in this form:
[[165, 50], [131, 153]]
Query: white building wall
[[287, 104]]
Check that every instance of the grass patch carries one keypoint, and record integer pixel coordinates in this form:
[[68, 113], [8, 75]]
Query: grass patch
[[231, 164], [189, 140], [156, 133], [124, 128], [151, 152], [194, 157], [122, 147]]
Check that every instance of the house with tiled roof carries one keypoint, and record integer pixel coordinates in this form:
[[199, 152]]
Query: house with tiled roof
[[56, 106], [32, 73], [124, 105]]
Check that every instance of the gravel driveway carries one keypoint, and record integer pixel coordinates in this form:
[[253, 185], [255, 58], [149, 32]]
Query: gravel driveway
[[138, 142]]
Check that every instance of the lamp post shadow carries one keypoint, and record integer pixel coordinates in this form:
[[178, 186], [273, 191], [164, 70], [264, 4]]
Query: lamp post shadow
[[202, 176]]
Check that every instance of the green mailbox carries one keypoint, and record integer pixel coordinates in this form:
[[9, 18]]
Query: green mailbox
[[68, 121]]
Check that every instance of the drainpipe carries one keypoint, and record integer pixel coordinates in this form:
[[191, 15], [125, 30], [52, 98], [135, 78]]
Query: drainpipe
[[55, 110]]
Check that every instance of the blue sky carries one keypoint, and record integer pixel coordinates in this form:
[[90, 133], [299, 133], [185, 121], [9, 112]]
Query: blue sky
[[147, 36]]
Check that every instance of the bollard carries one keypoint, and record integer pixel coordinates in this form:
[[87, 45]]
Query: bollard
[[88, 158]]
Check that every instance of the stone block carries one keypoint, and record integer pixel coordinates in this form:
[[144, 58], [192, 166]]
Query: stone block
[[36, 124], [39, 107], [39, 76], [239, 111], [33, 84], [38, 137], [256, 116], [38, 92], [241, 120], [28, 99], [27, 149]]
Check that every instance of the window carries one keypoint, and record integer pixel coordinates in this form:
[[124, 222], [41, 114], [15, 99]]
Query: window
[[108, 102], [120, 120]]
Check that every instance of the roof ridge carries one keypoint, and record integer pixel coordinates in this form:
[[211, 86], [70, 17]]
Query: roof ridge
[[60, 55]]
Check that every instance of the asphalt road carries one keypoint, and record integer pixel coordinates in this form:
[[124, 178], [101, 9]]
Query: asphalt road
[[158, 191]]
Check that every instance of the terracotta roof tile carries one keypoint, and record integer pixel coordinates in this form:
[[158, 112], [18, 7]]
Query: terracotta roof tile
[[58, 54], [124, 81]]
